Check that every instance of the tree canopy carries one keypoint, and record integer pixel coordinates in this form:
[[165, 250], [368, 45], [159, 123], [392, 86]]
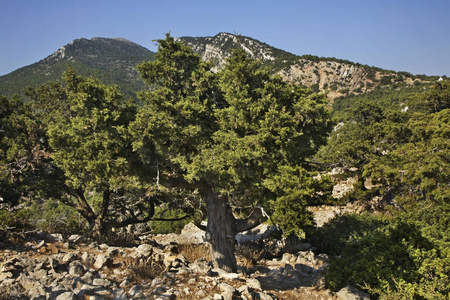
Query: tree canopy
[[231, 134]]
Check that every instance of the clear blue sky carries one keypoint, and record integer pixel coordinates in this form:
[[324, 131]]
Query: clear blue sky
[[407, 35]]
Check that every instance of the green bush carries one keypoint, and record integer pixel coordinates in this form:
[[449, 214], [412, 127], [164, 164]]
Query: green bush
[[164, 227], [17, 220], [402, 257], [52, 216]]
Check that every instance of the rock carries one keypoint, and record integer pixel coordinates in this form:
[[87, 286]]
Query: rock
[[261, 232], [101, 282], [38, 266], [119, 295], [102, 261], [53, 263], [136, 291], [288, 258], [87, 289], [263, 296], [76, 239], [94, 245], [351, 293], [200, 294], [95, 297], [124, 283], [77, 269], [230, 276], [245, 292], [36, 291], [67, 296], [55, 237], [227, 291], [159, 290], [40, 274], [87, 258], [55, 293], [305, 258], [112, 251], [254, 284], [6, 275], [145, 249], [39, 245], [69, 257], [201, 266], [103, 247]]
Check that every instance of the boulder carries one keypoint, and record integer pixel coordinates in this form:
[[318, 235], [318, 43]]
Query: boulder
[[67, 296], [201, 266], [145, 249], [76, 239], [254, 284], [136, 291], [351, 293], [228, 292], [102, 261]]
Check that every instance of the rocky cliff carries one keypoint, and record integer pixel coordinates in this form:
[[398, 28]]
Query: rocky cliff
[[337, 77], [114, 60]]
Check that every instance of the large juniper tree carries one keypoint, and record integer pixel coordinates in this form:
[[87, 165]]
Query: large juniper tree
[[86, 124], [239, 136]]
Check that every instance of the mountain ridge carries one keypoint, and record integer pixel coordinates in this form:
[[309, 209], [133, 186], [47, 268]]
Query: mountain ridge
[[114, 60]]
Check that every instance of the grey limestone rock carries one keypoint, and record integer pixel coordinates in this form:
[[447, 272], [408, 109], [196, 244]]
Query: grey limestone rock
[[351, 293], [67, 296], [102, 261]]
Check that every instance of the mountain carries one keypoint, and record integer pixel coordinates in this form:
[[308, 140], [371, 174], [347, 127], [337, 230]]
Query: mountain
[[112, 60], [336, 76]]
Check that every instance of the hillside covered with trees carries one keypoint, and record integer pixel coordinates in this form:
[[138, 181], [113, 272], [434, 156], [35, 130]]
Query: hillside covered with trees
[[235, 148]]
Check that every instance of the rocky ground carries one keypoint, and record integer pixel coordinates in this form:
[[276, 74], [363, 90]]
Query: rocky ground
[[50, 267]]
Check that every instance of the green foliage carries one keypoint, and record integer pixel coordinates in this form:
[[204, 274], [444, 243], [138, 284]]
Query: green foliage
[[385, 99], [17, 220], [167, 226], [86, 124], [389, 257], [112, 61], [432, 100], [375, 258], [407, 154], [89, 139], [295, 189], [22, 150], [231, 130], [52, 216], [334, 235]]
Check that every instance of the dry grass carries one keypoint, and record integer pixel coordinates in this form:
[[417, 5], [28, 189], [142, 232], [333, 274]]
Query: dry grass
[[193, 252], [144, 271], [249, 254], [116, 239]]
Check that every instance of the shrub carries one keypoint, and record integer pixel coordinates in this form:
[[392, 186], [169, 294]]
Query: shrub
[[17, 219], [401, 257]]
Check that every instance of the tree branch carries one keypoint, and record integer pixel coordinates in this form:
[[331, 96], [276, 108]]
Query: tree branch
[[256, 217], [178, 182]]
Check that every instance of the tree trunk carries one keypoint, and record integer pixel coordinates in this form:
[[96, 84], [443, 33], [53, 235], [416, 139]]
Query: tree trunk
[[84, 209], [219, 230], [222, 225], [101, 225]]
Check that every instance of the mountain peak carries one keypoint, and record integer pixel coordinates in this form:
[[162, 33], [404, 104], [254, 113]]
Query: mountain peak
[[217, 48], [114, 60]]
